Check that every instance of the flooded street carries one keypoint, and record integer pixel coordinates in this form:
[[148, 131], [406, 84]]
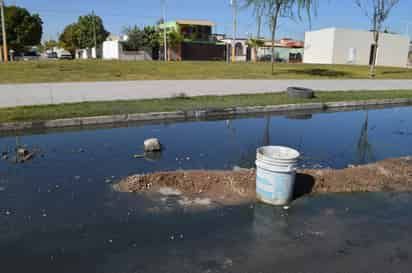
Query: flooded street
[[59, 213]]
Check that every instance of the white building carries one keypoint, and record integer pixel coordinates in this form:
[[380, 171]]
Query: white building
[[113, 50], [346, 46]]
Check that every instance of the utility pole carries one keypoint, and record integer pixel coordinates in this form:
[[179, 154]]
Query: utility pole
[[234, 6], [94, 52], [164, 29], [3, 29]]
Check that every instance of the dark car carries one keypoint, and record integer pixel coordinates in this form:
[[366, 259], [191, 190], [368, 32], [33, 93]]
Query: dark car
[[27, 56]]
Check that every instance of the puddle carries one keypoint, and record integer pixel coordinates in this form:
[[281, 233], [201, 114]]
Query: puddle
[[59, 213]]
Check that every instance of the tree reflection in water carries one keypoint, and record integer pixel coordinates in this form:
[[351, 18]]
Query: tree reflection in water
[[364, 148]]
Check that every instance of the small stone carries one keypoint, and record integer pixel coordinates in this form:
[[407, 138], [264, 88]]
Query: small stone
[[187, 158], [8, 213], [110, 241], [138, 156], [2, 188], [22, 152], [286, 207], [152, 145], [181, 236], [172, 237]]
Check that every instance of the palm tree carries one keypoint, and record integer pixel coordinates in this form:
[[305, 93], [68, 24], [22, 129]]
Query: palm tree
[[275, 9], [258, 11], [255, 44]]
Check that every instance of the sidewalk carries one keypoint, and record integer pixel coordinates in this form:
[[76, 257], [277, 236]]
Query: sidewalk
[[12, 95]]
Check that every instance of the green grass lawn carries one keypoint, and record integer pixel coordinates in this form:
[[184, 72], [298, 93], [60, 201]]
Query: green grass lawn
[[88, 109], [99, 70]]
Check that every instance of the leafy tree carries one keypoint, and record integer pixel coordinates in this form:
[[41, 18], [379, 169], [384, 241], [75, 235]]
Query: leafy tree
[[377, 11], [82, 33], [174, 41], [135, 40], [151, 37], [275, 9], [88, 28], [23, 29], [68, 38], [50, 44]]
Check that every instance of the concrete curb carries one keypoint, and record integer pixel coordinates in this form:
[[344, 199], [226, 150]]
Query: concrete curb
[[192, 114]]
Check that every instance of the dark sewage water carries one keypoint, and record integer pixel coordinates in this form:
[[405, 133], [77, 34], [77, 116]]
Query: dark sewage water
[[58, 212]]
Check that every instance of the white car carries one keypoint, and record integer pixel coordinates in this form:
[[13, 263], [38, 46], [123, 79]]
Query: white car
[[64, 55]]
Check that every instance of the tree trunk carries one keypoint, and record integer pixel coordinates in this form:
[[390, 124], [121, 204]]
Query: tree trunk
[[372, 68], [254, 54], [274, 26]]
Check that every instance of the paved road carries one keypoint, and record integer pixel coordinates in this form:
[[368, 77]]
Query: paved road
[[54, 93]]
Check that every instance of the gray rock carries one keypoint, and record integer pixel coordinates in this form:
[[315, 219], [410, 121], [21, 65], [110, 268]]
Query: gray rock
[[152, 145]]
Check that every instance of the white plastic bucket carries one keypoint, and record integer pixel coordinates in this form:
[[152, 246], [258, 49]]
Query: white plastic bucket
[[275, 174]]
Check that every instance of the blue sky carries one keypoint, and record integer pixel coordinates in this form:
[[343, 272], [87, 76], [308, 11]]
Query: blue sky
[[117, 14]]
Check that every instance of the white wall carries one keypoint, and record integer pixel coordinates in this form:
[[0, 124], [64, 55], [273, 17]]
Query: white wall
[[319, 46], [393, 50], [345, 40], [111, 50], [346, 46]]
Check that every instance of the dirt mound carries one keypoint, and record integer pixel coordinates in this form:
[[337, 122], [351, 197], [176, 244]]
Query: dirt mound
[[239, 186], [387, 175], [226, 186]]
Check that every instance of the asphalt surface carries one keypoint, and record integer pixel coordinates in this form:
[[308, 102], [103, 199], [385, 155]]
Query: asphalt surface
[[54, 93]]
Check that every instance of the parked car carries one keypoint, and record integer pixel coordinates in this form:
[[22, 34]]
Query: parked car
[[64, 55], [27, 56], [268, 58], [52, 55]]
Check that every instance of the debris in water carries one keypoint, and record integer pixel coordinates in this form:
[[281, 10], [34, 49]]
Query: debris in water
[[152, 145], [2, 189], [286, 207], [138, 156], [77, 177], [22, 152], [8, 213], [202, 201], [169, 191]]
